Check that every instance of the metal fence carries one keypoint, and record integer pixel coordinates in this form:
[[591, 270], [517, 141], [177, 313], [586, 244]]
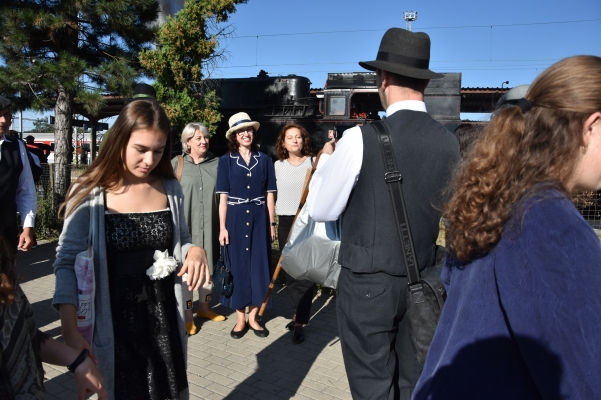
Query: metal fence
[[45, 185], [589, 204]]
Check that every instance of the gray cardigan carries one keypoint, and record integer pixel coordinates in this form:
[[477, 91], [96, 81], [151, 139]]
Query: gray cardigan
[[73, 240]]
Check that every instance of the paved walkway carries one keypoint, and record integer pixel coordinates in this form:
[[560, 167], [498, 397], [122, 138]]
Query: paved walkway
[[220, 367]]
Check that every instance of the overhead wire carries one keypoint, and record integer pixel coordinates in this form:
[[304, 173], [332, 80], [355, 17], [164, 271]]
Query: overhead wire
[[432, 27], [490, 60]]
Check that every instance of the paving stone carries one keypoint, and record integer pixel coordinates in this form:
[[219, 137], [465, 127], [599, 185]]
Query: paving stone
[[239, 396], [247, 390], [220, 367], [267, 387]]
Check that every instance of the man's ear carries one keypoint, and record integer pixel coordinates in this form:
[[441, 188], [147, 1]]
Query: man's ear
[[384, 79]]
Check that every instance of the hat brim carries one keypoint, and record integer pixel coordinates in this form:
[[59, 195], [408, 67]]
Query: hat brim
[[400, 69], [254, 124]]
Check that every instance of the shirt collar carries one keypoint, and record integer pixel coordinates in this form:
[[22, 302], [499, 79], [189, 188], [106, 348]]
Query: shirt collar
[[412, 105]]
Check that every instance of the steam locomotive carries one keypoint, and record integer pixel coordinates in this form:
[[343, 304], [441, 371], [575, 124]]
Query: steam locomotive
[[348, 99]]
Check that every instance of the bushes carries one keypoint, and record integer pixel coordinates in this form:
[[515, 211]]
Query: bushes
[[47, 224]]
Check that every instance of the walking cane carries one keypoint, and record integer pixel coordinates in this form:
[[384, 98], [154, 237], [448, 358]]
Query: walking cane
[[300, 206]]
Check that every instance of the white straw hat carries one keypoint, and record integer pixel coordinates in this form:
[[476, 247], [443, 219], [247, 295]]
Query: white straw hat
[[239, 121]]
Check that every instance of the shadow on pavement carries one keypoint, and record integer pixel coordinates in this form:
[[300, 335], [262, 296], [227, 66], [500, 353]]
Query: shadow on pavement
[[36, 263], [281, 367]]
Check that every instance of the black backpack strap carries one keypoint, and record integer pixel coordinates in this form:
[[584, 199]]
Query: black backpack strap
[[393, 178]]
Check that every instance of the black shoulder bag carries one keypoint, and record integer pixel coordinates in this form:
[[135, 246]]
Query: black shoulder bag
[[426, 294], [222, 277]]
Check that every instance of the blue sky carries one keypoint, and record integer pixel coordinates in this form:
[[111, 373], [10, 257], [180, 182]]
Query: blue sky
[[488, 42], [461, 33]]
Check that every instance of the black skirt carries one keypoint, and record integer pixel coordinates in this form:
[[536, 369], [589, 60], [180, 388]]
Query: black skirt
[[149, 361]]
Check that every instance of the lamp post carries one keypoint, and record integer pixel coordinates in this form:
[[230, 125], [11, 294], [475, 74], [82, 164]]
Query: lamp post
[[409, 17], [504, 83]]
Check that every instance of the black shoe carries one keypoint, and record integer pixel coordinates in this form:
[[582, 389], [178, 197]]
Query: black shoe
[[239, 334], [259, 332], [290, 325], [299, 335]]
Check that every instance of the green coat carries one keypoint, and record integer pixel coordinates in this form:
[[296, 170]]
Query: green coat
[[201, 203]]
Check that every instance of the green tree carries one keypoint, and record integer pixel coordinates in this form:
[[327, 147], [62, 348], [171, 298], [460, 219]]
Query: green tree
[[57, 51], [41, 125], [186, 48]]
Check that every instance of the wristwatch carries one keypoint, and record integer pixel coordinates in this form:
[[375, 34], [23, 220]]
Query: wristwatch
[[273, 224]]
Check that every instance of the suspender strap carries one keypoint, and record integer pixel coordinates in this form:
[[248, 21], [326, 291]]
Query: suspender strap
[[393, 178]]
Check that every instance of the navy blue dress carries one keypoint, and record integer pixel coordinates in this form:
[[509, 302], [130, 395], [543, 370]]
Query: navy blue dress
[[247, 222]]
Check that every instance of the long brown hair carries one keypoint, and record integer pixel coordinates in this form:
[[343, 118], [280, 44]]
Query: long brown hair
[[519, 150], [108, 168], [281, 149]]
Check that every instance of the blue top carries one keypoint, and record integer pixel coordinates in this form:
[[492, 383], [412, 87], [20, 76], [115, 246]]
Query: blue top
[[245, 182], [247, 222], [523, 321]]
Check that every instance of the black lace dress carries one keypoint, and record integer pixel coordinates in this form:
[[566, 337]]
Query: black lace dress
[[149, 361]]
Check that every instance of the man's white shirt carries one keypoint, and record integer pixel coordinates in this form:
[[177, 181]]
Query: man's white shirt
[[26, 198], [337, 174]]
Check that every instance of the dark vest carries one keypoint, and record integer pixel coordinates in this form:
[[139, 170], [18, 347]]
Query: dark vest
[[11, 167], [426, 154]]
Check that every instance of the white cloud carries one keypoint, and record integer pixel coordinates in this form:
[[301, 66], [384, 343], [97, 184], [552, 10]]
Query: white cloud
[[169, 7]]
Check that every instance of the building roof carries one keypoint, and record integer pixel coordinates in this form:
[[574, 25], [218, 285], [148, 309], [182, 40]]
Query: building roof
[[480, 99]]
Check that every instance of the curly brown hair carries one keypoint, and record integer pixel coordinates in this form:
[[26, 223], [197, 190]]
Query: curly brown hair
[[281, 151], [519, 150], [234, 146]]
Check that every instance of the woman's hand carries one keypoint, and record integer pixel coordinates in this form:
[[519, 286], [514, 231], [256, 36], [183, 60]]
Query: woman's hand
[[87, 376], [77, 341], [88, 379], [272, 234], [224, 237], [329, 147], [197, 267]]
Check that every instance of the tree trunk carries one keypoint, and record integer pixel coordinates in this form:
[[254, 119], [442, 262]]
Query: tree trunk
[[63, 149]]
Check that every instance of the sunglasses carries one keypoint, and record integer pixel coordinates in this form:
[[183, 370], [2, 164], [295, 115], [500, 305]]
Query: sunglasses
[[245, 130]]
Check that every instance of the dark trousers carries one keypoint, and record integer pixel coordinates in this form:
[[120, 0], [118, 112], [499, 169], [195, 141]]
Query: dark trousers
[[11, 237], [379, 360], [301, 291]]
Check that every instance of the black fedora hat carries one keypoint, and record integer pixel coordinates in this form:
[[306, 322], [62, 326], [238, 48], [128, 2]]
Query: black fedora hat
[[405, 53], [144, 90]]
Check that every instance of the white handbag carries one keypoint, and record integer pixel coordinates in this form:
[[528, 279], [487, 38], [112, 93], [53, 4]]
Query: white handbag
[[86, 285], [311, 252]]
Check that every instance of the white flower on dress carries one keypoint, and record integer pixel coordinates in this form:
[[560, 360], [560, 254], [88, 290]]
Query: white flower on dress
[[163, 266]]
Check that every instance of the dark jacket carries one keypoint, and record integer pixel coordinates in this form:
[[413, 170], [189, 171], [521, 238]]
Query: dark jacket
[[11, 167]]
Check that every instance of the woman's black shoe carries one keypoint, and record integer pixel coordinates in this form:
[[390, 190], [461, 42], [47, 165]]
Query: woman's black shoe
[[260, 333], [239, 334], [299, 335], [290, 326]]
